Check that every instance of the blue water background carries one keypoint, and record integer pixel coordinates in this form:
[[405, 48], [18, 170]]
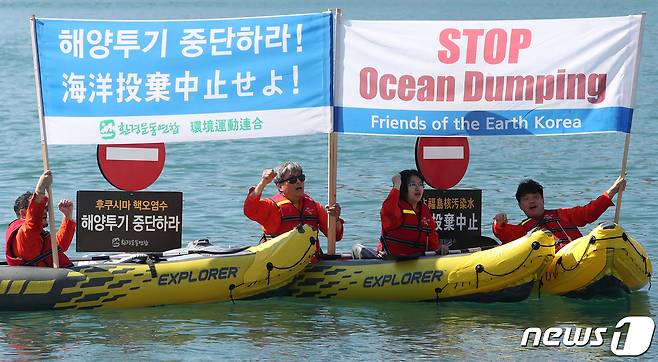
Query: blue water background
[[214, 177]]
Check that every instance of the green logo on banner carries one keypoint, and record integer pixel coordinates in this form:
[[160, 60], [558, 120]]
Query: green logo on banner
[[107, 129]]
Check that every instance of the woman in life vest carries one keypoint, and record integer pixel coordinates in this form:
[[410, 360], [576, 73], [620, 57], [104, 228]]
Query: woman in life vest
[[563, 223], [408, 227], [291, 206]]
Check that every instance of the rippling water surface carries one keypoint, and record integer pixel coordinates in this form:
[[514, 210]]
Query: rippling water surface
[[214, 177]]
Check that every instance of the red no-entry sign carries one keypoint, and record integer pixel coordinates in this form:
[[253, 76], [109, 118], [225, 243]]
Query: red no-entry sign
[[442, 160], [131, 167]]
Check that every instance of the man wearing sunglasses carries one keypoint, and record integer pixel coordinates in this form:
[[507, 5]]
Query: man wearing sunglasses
[[291, 206]]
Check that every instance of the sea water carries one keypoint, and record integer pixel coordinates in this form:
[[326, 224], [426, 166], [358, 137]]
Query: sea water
[[215, 176]]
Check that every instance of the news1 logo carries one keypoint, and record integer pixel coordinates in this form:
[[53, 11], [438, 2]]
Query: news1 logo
[[637, 341]]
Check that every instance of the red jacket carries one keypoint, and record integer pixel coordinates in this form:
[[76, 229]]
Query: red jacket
[[561, 222], [406, 232], [26, 239], [269, 216]]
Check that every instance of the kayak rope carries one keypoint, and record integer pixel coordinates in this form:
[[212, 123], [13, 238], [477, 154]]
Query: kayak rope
[[628, 240], [591, 242], [271, 266], [480, 268], [644, 258]]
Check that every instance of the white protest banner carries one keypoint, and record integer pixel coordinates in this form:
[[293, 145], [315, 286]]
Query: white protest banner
[[487, 78], [117, 82]]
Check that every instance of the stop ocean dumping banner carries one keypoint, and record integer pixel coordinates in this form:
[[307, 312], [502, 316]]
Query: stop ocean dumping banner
[[115, 82], [487, 78]]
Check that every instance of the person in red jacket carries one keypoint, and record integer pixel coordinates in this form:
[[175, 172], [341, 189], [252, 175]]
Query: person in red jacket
[[27, 242], [563, 223], [291, 206], [408, 227]]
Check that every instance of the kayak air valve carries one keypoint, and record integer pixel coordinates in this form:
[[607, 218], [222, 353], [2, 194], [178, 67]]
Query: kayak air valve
[[230, 292]]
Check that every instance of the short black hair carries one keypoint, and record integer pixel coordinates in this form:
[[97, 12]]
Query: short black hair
[[405, 175], [529, 186], [22, 202]]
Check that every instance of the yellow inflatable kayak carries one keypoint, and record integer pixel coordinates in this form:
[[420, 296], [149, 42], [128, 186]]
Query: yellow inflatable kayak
[[606, 262], [504, 273], [197, 275]]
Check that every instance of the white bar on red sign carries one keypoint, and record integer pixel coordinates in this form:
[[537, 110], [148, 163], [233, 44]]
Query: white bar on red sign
[[131, 154], [443, 153]]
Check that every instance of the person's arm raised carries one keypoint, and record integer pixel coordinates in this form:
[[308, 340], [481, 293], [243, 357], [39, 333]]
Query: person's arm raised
[[66, 208], [267, 177], [618, 185], [500, 219], [397, 181], [44, 182]]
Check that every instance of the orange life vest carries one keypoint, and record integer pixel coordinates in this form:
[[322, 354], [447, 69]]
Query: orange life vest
[[291, 216], [44, 259], [412, 237]]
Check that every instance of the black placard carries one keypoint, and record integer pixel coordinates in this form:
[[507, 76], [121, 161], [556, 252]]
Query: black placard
[[116, 221], [458, 215]]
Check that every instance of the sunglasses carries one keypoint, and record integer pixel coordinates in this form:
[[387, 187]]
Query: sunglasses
[[293, 179]]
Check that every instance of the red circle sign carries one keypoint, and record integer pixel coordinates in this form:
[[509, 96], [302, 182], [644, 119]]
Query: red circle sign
[[442, 160], [131, 167]]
